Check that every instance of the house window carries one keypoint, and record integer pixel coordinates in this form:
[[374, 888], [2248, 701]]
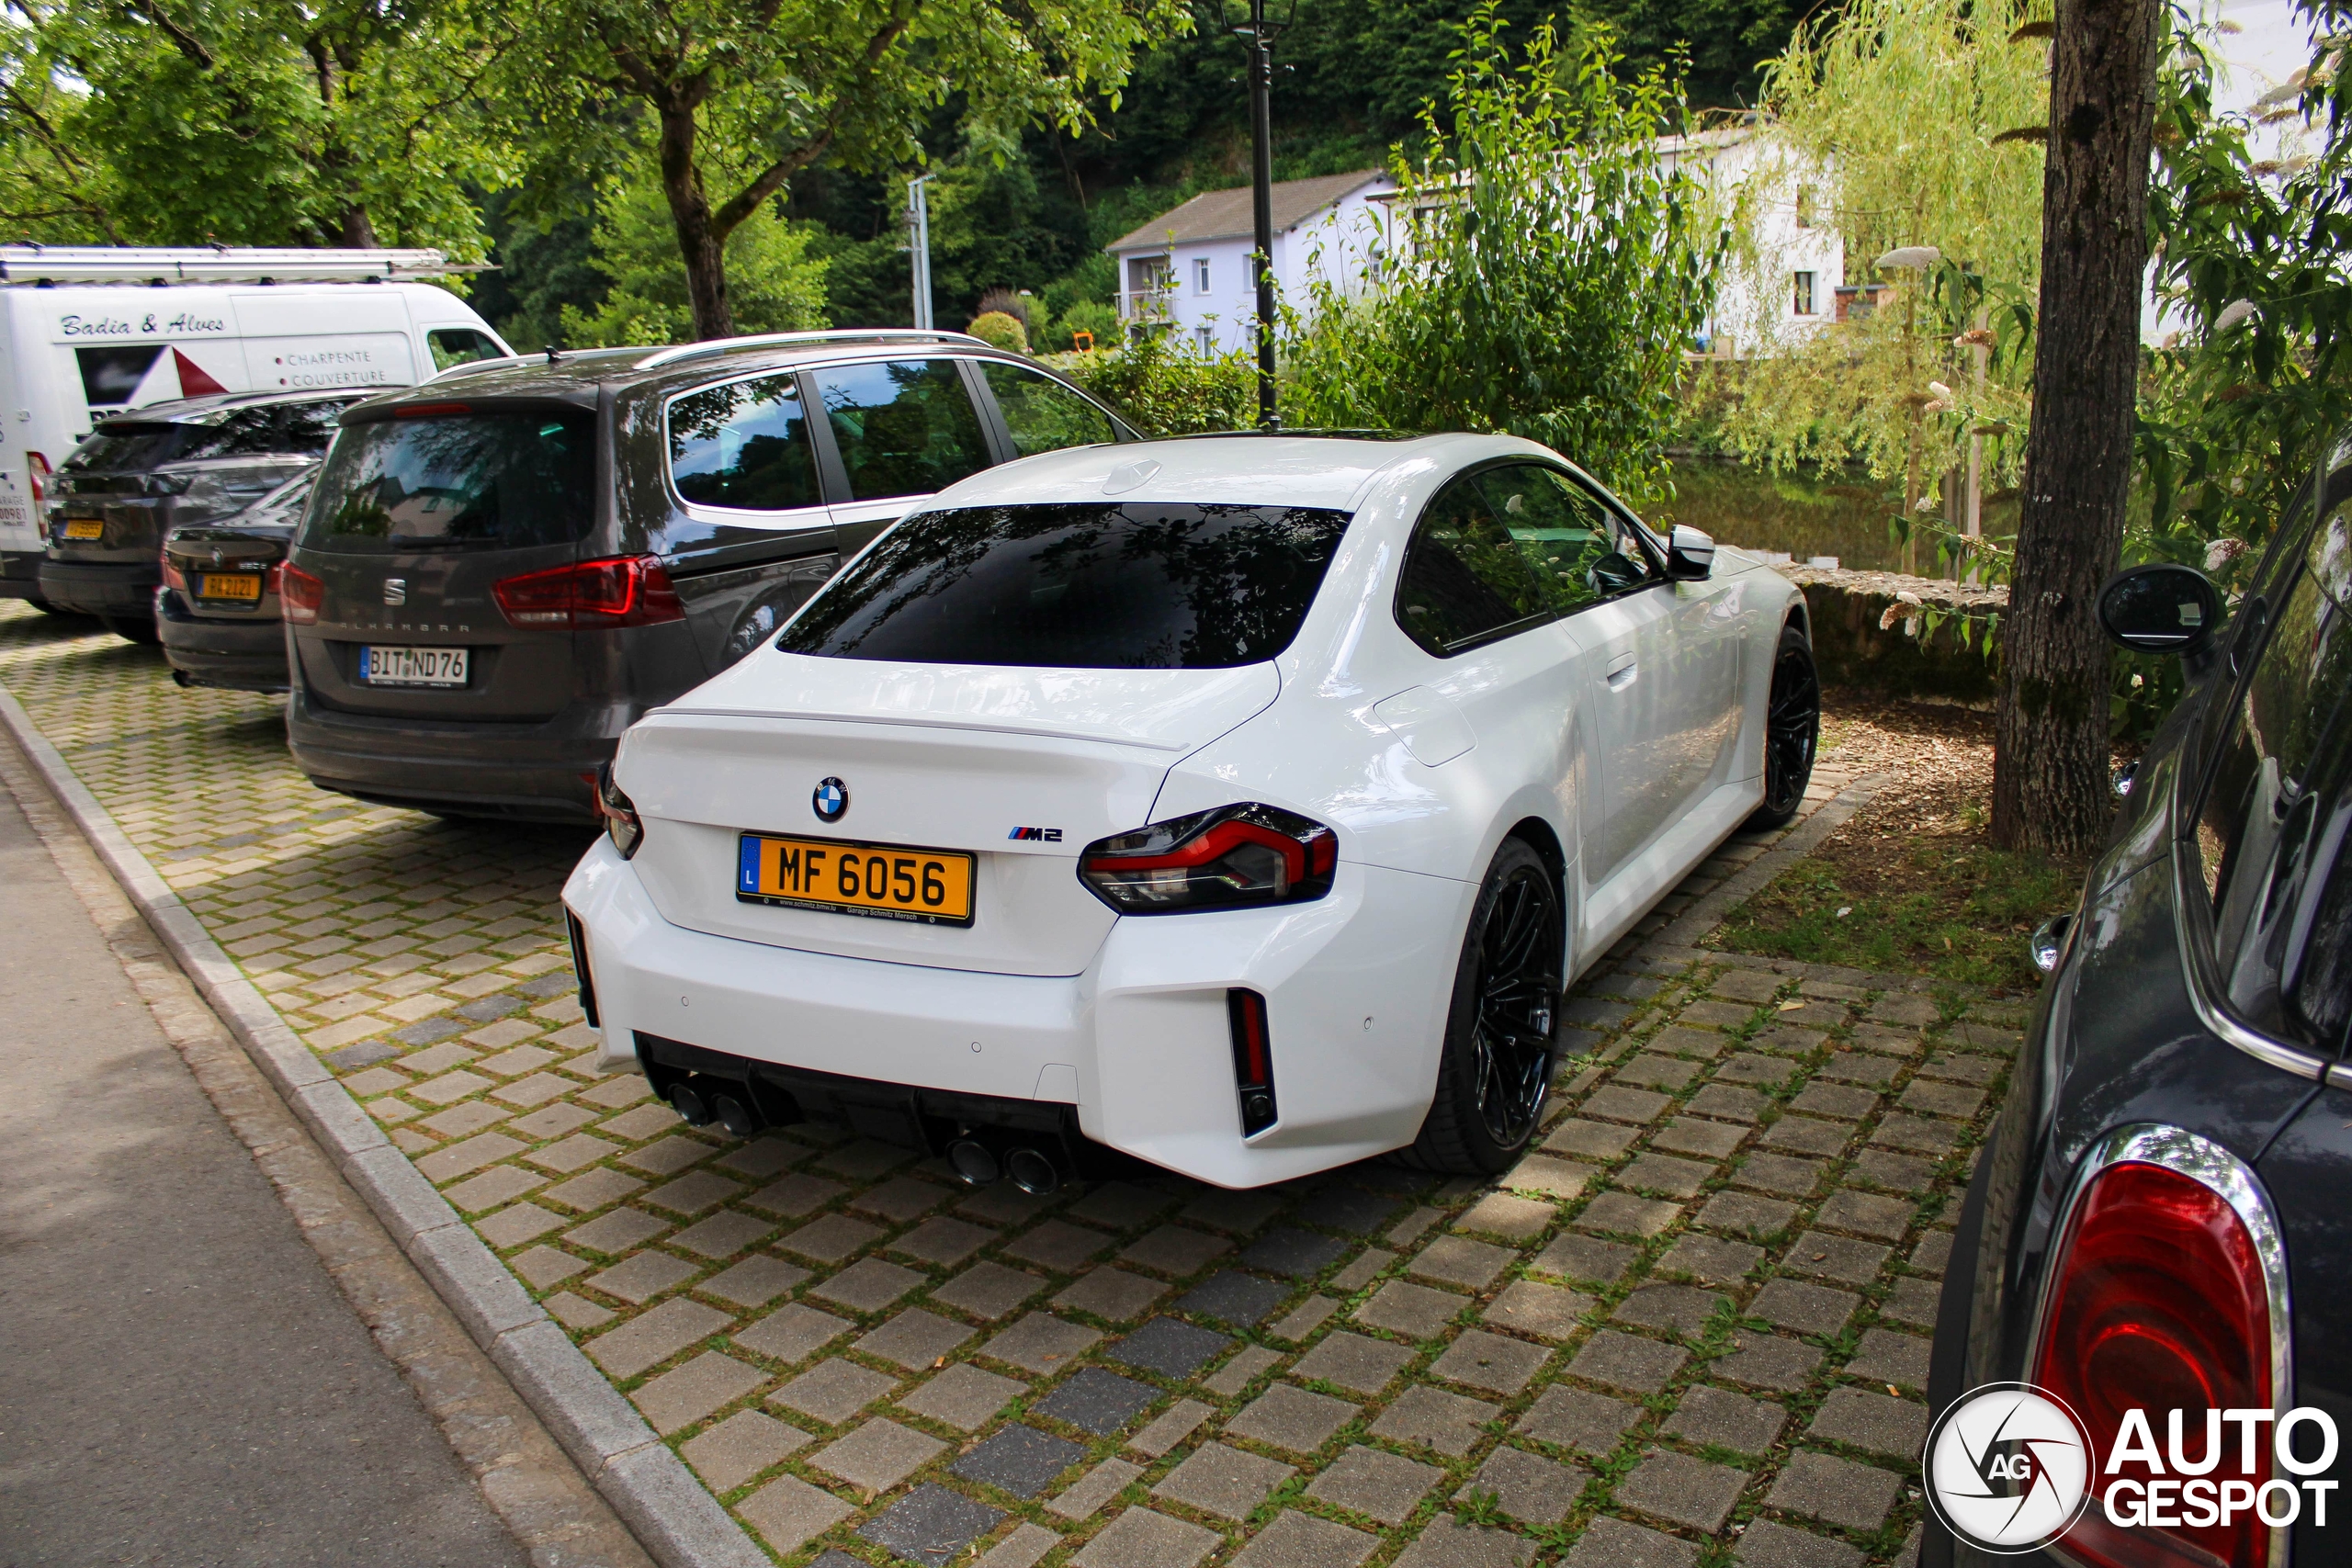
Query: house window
[[1200, 274], [1204, 338], [1805, 305], [1805, 208]]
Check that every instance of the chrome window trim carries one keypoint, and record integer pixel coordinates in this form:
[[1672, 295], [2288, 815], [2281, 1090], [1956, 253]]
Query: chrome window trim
[[818, 513], [2219, 1171], [2252, 1041]]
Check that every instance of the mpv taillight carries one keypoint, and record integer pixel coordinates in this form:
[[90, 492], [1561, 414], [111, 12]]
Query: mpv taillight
[[619, 590], [1222, 859], [2159, 1304], [300, 596]]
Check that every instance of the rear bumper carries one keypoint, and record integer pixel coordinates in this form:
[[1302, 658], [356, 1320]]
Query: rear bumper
[[1138, 1046], [242, 655], [124, 590], [537, 772]]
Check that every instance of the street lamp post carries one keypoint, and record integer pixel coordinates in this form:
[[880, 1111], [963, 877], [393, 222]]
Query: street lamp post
[[1261, 36], [919, 248]]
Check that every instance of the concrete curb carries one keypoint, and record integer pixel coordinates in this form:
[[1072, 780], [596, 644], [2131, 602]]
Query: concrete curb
[[673, 1513]]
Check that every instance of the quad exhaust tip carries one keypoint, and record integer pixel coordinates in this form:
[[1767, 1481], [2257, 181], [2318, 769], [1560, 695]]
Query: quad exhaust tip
[[974, 1162], [699, 1103], [1031, 1169]]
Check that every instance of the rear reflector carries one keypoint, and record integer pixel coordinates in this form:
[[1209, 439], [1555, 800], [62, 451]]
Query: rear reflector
[[300, 596], [619, 590], [1253, 1060], [579, 968]]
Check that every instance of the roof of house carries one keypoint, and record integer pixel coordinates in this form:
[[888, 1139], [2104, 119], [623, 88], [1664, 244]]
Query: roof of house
[[1224, 214]]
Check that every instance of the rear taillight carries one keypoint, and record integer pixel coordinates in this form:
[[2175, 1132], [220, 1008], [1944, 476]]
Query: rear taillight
[[2160, 1303], [37, 472], [300, 596], [172, 578], [1253, 1059], [1232, 856], [621, 822], [620, 590]]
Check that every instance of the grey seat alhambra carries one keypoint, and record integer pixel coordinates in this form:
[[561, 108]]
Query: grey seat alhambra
[[502, 569]]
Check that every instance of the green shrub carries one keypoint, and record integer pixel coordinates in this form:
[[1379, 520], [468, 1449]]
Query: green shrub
[[1162, 392], [1000, 329]]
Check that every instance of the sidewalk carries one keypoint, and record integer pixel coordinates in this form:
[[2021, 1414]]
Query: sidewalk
[[181, 1382]]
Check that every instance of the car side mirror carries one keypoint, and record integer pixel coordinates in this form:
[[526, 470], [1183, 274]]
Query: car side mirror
[[1614, 573], [2160, 608], [1689, 555]]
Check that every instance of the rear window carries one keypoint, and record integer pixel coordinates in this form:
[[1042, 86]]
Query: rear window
[[457, 481], [124, 446], [1084, 587]]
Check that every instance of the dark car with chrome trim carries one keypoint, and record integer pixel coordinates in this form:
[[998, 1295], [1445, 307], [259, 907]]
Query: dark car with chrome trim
[[2159, 1234], [216, 610], [501, 570]]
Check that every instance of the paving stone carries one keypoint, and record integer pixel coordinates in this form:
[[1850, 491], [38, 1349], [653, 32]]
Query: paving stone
[[1248, 1365], [1710, 1260], [1901, 1172], [461, 1120], [667, 1157], [989, 1289], [577, 1313], [1175, 1249], [1354, 1362], [1770, 1544], [654, 1337], [1041, 1343], [1619, 1104], [1590, 1140], [1835, 1491], [1750, 986], [683, 1395], [1613, 1543], [593, 1191], [499, 1184], [1499, 1213], [1019, 1460], [1682, 1490], [1301, 1541], [789, 1512], [1005, 1204], [1866, 1213], [1447, 1544], [833, 1391], [1170, 1347], [1056, 1246], [1742, 1214], [1861, 1067], [1087, 1495], [830, 1238], [1112, 1292], [1584, 1257], [1678, 1310], [1293, 1419], [1415, 1311], [1624, 1214], [1458, 1261], [459, 1159], [741, 1447], [1231, 1296], [639, 1279], [1413, 1226], [1911, 1012], [1650, 1070], [1097, 1401], [900, 1199], [1806, 1309], [792, 1333], [1961, 1069], [723, 1235], [1121, 1205], [1788, 1177], [575, 1153], [1532, 1489], [962, 1397], [1790, 1040], [617, 1232], [1871, 1422], [1303, 1319], [1142, 1538], [1719, 1418], [877, 1455], [1932, 1253], [1767, 1361], [1695, 1030], [1222, 1479], [1347, 1208], [1578, 1418], [915, 1339], [1886, 1356], [1808, 1135], [1433, 1418], [1237, 1212], [1171, 1427], [865, 1159], [944, 1240], [1375, 1482], [1665, 1173], [1689, 1135], [1627, 1362], [1727, 1101], [868, 1285], [1547, 1178], [1835, 1100], [1912, 1301], [1836, 1257], [929, 1525], [795, 1195], [1750, 1067], [1491, 1363], [1541, 1311], [761, 1157], [544, 1266]]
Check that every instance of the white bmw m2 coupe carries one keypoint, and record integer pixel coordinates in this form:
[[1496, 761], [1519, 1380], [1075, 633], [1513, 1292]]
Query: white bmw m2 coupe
[[1239, 803]]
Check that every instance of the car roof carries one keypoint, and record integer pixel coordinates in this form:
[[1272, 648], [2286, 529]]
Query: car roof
[[1233, 468], [212, 405]]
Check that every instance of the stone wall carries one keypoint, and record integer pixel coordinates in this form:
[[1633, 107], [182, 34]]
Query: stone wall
[[1856, 651]]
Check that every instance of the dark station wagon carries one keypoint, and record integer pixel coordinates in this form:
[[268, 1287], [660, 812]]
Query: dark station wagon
[[500, 571]]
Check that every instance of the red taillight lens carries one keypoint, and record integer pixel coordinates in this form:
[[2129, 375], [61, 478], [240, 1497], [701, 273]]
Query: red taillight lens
[[173, 577], [621, 590], [622, 824], [1253, 1059], [2160, 1305], [37, 472], [300, 596], [1213, 860]]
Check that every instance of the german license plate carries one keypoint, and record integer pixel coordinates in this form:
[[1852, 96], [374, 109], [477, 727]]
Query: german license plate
[[412, 666], [244, 585], [84, 528], [889, 880]]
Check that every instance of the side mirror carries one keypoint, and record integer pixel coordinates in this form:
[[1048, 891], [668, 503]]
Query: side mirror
[[2160, 608], [1689, 555]]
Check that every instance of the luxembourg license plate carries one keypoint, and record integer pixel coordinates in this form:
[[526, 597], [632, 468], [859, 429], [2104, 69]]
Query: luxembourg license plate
[[240, 586], [888, 880], [412, 666], [84, 528]]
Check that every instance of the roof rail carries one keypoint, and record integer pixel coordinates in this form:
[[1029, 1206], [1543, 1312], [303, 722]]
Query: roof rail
[[769, 340], [219, 263]]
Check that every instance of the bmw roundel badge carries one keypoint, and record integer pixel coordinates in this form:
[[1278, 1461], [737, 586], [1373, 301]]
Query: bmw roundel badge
[[831, 800]]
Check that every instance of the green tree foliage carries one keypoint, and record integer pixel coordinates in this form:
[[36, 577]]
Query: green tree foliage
[[1553, 270], [1164, 392], [776, 284]]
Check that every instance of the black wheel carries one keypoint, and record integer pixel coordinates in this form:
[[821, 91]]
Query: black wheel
[[1496, 1068], [1792, 730]]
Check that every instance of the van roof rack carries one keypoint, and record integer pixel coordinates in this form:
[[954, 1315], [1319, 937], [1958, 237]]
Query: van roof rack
[[219, 264], [686, 351], [509, 361]]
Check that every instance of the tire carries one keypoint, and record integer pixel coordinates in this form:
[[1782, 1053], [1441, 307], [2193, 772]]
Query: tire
[[1791, 731], [1492, 1082]]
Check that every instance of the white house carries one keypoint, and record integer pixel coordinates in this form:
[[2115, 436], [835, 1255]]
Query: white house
[[1799, 285], [1190, 268]]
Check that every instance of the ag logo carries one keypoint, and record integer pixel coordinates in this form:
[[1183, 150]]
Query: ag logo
[[2009, 1468], [830, 800]]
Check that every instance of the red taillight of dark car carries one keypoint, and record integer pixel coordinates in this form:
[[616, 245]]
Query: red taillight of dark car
[[2160, 1303], [1231, 857], [300, 596], [619, 590]]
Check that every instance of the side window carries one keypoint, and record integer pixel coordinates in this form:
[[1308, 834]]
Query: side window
[[1465, 579], [460, 345], [745, 445], [904, 428], [1043, 414], [1575, 546]]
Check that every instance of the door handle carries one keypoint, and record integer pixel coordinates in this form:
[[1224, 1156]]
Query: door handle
[[1622, 673]]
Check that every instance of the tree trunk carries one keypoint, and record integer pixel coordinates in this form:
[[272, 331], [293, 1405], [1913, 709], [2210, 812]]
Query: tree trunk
[[2049, 775], [701, 245], [358, 233]]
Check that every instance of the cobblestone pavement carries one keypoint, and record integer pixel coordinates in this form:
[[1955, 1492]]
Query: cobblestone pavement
[[1690, 1329]]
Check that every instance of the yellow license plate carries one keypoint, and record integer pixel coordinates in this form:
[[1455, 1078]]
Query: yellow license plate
[[84, 528], [890, 880], [229, 585]]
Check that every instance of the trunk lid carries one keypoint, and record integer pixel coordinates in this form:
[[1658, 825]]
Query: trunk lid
[[932, 757]]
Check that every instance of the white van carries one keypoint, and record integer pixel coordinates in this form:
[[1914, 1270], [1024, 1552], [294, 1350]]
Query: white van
[[89, 332]]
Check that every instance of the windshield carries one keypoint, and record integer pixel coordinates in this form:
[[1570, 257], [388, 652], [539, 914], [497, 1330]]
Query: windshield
[[457, 481], [1077, 587]]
